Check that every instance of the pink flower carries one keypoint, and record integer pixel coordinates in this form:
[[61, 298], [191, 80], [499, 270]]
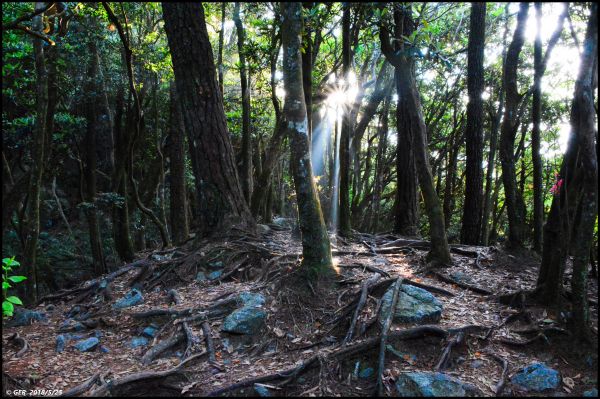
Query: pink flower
[[555, 189]]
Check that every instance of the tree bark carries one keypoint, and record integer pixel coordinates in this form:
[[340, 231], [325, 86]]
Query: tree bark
[[220, 200], [95, 125], [414, 123], [344, 228], [246, 171], [176, 154], [315, 240], [32, 225], [513, 198], [579, 190], [471, 221], [536, 115], [220, 56]]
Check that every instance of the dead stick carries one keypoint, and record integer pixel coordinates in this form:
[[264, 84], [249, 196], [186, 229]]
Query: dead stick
[[441, 364], [359, 306], [384, 335], [210, 346], [500, 385]]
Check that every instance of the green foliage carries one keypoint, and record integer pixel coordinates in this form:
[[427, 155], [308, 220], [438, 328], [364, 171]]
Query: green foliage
[[9, 302]]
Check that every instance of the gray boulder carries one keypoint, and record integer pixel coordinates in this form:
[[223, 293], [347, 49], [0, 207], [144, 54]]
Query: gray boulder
[[24, 317], [253, 300], [415, 305], [431, 384], [138, 341], [87, 345], [132, 298], [592, 393], [537, 377], [247, 320]]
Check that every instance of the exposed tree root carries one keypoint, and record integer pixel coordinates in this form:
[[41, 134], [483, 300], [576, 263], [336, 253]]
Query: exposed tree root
[[384, 335], [449, 280], [162, 346], [17, 339], [83, 387], [111, 386], [361, 303], [345, 351], [502, 382], [445, 357], [365, 267], [210, 346]]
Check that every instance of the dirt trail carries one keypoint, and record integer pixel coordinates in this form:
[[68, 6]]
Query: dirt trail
[[300, 350]]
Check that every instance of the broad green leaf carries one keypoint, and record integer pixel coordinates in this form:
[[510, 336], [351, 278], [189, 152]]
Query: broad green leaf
[[7, 308], [15, 300], [17, 279]]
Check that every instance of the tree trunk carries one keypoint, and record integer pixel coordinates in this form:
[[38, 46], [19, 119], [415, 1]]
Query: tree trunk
[[379, 165], [414, 123], [246, 171], [120, 212], [513, 198], [32, 225], [176, 154], [536, 115], [579, 174], [220, 200], [471, 221], [95, 124], [315, 240], [220, 56], [344, 192]]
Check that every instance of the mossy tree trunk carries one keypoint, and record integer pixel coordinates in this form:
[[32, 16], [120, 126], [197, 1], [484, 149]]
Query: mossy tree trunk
[[315, 240]]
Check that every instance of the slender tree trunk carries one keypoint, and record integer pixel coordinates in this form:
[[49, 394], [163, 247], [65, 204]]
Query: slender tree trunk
[[344, 192], [471, 221], [32, 225], [379, 165], [221, 40], [414, 122], [94, 124], [246, 171], [120, 212], [176, 155], [307, 64], [315, 240], [536, 115], [220, 200], [513, 198]]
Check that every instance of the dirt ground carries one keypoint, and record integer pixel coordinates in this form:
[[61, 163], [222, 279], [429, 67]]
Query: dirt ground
[[305, 323]]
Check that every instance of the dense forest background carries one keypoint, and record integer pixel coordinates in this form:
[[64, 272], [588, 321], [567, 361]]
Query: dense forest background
[[132, 129]]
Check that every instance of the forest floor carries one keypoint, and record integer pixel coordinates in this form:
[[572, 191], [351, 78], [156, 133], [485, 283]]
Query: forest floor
[[300, 349]]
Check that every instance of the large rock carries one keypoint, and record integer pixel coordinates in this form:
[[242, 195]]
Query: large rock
[[247, 320], [24, 317], [138, 341], [432, 384], [252, 300], [537, 377], [132, 298], [87, 345], [415, 305]]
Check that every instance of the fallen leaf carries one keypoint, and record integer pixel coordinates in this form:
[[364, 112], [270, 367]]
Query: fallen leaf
[[568, 381]]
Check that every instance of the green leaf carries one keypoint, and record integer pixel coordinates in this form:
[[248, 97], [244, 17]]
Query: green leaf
[[7, 308], [14, 299], [5, 285], [17, 279]]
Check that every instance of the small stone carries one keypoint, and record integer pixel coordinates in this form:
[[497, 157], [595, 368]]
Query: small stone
[[592, 393], [367, 373], [138, 341], [215, 275], [461, 277], [87, 345], [61, 341], [200, 277], [132, 298], [150, 331], [226, 361], [263, 228], [50, 308], [261, 391], [215, 265], [104, 349], [98, 334], [537, 377], [476, 364]]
